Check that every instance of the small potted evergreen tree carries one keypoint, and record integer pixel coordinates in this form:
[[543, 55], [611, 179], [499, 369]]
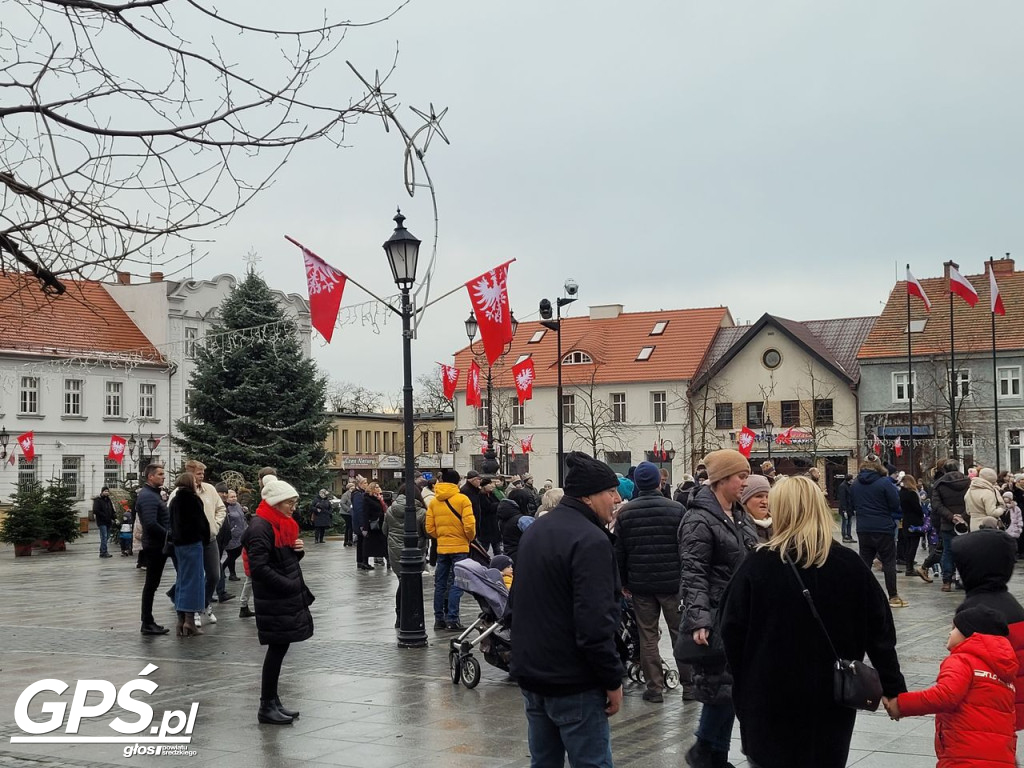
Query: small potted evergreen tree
[[23, 524], [59, 516]]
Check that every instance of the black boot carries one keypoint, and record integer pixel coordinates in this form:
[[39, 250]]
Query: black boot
[[721, 760], [270, 714], [292, 713], [699, 755]]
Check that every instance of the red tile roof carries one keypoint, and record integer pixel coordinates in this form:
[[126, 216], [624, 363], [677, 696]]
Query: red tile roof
[[973, 325], [84, 320], [613, 343]]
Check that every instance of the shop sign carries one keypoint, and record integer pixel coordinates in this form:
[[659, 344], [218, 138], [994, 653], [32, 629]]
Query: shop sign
[[359, 462]]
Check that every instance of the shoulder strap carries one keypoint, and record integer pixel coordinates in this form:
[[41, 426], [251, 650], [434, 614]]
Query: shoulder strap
[[810, 604], [453, 510]]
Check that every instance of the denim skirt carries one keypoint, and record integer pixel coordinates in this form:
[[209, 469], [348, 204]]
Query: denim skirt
[[190, 593]]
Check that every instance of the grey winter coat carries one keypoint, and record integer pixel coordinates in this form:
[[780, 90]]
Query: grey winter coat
[[394, 530], [236, 522]]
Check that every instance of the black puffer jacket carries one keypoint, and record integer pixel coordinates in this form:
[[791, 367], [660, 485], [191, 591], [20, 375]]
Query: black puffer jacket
[[948, 493], [509, 515], [910, 503], [647, 544], [321, 513], [281, 597], [711, 547], [151, 510]]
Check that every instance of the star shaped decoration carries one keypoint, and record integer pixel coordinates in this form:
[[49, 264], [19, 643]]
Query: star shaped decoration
[[432, 121], [382, 99]]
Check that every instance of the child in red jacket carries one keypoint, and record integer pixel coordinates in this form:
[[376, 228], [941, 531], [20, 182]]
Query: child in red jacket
[[973, 699]]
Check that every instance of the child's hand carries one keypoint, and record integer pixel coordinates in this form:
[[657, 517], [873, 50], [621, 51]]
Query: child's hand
[[892, 706]]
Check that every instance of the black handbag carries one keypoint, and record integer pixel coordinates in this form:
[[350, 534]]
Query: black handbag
[[687, 651], [854, 683]]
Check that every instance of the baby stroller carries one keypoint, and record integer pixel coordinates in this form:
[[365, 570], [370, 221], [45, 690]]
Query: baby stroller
[[492, 636], [627, 642]]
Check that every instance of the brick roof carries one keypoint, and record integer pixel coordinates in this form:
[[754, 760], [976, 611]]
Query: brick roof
[[84, 320], [973, 325], [613, 343]]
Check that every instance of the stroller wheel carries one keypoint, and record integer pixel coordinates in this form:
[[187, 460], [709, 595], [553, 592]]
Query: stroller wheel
[[640, 676], [454, 666], [632, 670], [671, 678], [470, 672]]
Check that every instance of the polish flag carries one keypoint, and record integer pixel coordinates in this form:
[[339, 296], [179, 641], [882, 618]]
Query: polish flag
[[116, 451], [11, 459], [158, 440], [997, 299], [785, 438], [326, 285], [526, 444], [746, 441], [27, 442], [449, 380], [897, 446], [524, 374], [473, 386], [914, 289], [488, 294], [876, 447], [962, 287]]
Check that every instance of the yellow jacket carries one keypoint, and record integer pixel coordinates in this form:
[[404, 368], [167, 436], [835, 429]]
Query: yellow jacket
[[442, 524], [507, 578]]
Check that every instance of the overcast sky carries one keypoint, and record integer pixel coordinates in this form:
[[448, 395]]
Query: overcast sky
[[777, 157]]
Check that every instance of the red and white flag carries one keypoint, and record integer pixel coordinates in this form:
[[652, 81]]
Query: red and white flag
[[523, 372], [158, 440], [27, 442], [897, 446], [996, 298], [876, 447], [326, 285], [489, 296], [785, 437], [449, 380], [526, 444], [914, 288], [116, 451], [11, 458], [745, 439], [473, 385], [962, 287]]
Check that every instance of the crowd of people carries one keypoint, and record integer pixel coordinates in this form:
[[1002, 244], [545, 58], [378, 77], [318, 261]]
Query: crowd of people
[[760, 597]]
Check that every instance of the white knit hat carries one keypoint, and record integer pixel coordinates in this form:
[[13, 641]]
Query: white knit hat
[[275, 491]]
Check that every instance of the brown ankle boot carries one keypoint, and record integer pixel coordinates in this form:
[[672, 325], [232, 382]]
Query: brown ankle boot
[[190, 627], [179, 629], [947, 586]]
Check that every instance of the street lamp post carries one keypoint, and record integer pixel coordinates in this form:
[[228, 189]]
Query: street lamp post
[[571, 289], [490, 464], [506, 436], [768, 427], [4, 440], [402, 250]]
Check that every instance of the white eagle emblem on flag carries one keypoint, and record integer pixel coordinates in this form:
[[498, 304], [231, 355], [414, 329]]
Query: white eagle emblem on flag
[[746, 439], [490, 296], [319, 276], [117, 448], [452, 374], [524, 379]]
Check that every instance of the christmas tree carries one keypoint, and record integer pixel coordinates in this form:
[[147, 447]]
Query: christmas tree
[[59, 516], [24, 523], [256, 400]]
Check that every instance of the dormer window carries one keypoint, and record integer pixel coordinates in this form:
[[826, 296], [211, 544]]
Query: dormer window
[[537, 336], [645, 353], [659, 328], [521, 358], [577, 358]]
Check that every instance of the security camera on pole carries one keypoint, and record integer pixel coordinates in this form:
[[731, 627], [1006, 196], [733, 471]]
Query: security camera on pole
[[571, 289]]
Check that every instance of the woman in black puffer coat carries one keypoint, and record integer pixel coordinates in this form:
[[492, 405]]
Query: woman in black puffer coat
[[272, 551], [511, 510], [714, 538]]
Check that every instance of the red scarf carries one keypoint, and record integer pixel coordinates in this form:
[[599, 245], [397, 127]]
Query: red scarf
[[286, 530]]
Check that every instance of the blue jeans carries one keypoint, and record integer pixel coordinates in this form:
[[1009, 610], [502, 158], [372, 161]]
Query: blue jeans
[[847, 520], [946, 563], [444, 583], [715, 726], [574, 724], [103, 539]]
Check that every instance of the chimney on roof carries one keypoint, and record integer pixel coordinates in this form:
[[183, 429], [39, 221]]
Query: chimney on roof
[[946, 265], [156, 277], [605, 311], [1003, 266], [124, 278]]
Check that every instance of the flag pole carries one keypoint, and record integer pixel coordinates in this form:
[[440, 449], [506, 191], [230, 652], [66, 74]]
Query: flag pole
[[952, 366], [995, 378], [910, 385]]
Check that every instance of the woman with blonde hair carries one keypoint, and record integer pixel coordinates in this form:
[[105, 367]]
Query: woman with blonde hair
[[777, 652]]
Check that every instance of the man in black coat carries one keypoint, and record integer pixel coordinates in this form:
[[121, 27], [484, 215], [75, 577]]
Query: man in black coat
[[103, 513], [948, 493], [647, 552], [151, 509], [565, 609], [846, 510]]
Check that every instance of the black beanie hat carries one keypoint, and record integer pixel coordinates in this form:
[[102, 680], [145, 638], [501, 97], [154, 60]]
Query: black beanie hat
[[585, 476], [980, 619], [450, 476]]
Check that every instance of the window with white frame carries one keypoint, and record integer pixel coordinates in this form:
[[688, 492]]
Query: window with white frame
[[28, 395], [568, 409], [1015, 442], [191, 335], [481, 412], [112, 399], [966, 442], [619, 407], [645, 353], [903, 386], [576, 358], [147, 401], [659, 407], [659, 328], [27, 470], [111, 473], [963, 384], [73, 397], [71, 475], [537, 336], [188, 405], [518, 411], [1008, 377]]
